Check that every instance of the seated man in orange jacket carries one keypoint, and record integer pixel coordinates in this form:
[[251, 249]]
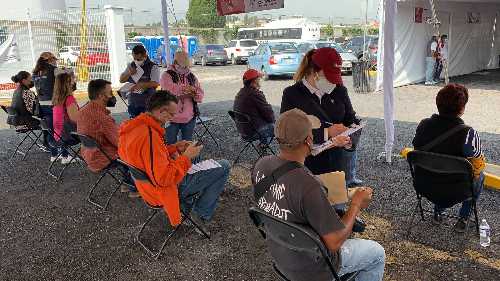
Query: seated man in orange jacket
[[142, 145]]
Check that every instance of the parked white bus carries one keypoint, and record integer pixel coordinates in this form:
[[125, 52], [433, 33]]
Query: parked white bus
[[288, 30]]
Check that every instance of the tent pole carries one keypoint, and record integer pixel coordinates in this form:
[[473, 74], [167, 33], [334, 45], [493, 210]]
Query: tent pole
[[166, 39], [389, 28]]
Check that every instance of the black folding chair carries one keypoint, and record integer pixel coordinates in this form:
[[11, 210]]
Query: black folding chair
[[203, 122], [74, 154], [90, 143], [444, 180], [25, 134], [140, 176], [295, 239], [241, 121]]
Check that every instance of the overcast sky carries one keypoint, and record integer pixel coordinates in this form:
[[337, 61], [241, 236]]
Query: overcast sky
[[337, 10]]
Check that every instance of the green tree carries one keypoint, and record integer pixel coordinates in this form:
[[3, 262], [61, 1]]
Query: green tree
[[327, 31], [203, 14]]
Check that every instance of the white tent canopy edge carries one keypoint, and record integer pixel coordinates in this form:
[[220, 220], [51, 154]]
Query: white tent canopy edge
[[472, 46]]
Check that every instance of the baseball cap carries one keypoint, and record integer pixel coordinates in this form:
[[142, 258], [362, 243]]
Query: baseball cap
[[293, 127], [251, 74], [329, 60]]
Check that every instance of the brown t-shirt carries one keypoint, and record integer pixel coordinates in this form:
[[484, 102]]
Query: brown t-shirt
[[298, 197]]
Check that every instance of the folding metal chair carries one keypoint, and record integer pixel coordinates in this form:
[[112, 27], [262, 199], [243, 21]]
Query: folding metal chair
[[295, 239], [203, 121], [74, 154], [442, 179], [241, 121], [24, 134], [90, 143], [140, 176]]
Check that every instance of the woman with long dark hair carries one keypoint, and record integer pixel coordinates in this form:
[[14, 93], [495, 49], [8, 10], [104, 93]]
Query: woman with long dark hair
[[43, 78], [65, 112], [24, 103]]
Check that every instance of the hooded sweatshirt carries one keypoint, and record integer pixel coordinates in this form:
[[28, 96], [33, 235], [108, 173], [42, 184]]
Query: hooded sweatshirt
[[185, 106], [141, 144]]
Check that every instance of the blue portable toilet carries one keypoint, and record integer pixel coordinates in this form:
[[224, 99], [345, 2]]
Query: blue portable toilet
[[192, 45]]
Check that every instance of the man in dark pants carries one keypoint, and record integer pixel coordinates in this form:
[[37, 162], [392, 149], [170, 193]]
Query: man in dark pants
[[145, 85]]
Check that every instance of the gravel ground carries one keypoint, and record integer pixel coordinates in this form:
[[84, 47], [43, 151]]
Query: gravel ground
[[49, 232]]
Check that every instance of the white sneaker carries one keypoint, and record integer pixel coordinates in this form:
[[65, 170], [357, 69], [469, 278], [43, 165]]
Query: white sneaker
[[65, 160], [53, 158], [428, 83]]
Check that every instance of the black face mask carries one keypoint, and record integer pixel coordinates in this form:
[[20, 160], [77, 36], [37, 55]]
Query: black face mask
[[30, 85], [111, 102], [73, 87]]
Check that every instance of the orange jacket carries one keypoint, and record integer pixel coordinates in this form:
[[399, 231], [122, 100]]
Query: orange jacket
[[138, 138]]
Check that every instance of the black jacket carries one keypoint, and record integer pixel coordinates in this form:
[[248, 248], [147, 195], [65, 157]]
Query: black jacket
[[44, 83], [433, 127], [253, 103], [336, 108], [18, 112]]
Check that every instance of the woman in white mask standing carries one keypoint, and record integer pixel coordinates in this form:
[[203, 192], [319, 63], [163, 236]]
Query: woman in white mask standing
[[319, 91]]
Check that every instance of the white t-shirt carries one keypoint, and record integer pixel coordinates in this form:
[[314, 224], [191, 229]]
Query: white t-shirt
[[434, 46], [444, 51]]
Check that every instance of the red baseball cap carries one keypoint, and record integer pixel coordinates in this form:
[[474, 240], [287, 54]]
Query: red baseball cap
[[330, 62], [251, 74]]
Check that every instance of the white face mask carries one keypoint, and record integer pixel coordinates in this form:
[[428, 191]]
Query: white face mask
[[324, 85], [139, 62]]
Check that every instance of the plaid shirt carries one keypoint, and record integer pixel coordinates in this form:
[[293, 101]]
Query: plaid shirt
[[95, 121]]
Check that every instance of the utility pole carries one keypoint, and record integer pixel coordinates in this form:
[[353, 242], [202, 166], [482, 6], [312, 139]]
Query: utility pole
[[166, 39]]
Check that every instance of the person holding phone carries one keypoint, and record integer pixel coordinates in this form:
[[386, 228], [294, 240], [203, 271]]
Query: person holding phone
[[142, 144], [143, 86], [181, 82]]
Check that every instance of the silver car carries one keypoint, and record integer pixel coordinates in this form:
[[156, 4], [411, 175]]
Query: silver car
[[347, 58]]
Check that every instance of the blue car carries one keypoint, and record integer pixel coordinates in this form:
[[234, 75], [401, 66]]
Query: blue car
[[275, 58]]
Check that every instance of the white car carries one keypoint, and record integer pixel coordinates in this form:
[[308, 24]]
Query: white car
[[237, 50], [69, 54], [347, 58]]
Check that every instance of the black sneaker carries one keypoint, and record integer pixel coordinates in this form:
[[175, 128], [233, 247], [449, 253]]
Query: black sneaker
[[461, 225], [201, 226]]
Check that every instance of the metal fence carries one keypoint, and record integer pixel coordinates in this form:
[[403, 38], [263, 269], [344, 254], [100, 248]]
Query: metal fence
[[78, 39]]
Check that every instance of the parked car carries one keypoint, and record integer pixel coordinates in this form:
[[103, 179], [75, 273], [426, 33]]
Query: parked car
[[275, 58], [128, 49], [237, 50], [97, 57], [210, 54], [347, 58], [69, 54], [356, 46]]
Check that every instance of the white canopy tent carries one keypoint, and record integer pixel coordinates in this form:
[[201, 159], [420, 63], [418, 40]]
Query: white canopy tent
[[472, 29]]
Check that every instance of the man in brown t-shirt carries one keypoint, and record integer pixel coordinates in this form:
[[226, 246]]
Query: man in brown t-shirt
[[299, 197]]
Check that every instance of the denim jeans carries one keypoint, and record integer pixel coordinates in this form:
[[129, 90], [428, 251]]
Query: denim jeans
[[430, 64], [127, 177], [210, 184], [186, 129], [438, 69], [350, 158], [48, 139], [467, 205], [365, 256], [265, 133], [135, 110]]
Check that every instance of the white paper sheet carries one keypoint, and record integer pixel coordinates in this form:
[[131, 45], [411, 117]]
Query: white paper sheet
[[126, 87], [318, 148], [353, 129], [138, 74], [203, 166]]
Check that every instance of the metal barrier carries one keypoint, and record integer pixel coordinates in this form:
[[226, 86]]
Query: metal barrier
[[364, 76]]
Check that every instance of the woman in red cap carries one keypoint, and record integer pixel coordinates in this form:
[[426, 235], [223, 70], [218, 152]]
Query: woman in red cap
[[251, 101], [319, 91]]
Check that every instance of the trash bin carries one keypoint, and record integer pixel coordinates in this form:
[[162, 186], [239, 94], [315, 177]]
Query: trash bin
[[364, 76]]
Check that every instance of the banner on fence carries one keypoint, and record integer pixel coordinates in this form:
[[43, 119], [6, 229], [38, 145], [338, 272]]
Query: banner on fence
[[229, 7]]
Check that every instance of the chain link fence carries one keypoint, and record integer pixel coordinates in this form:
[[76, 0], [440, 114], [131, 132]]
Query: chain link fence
[[78, 39]]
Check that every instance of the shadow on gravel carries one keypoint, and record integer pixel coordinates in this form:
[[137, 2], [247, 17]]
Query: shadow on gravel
[[49, 231]]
